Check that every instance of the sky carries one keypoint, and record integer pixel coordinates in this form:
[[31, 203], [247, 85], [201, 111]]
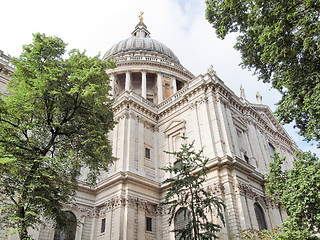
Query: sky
[[96, 25]]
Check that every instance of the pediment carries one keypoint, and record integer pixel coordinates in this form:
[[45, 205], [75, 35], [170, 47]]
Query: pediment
[[175, 126], [268, 117]]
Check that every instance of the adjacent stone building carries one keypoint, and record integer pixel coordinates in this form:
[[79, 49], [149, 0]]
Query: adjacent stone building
[[6, 69], [156, 101]]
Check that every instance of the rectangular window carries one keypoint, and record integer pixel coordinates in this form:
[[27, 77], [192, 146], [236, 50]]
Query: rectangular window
[[147, 153], [103, 225], [149, 224]]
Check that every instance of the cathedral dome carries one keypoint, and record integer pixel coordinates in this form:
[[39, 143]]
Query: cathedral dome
[[140, 40]]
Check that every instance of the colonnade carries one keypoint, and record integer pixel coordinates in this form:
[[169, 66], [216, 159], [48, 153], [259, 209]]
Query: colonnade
[[144, 83]]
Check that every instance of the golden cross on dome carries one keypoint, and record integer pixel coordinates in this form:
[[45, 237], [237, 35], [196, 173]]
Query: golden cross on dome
[[140, 16]]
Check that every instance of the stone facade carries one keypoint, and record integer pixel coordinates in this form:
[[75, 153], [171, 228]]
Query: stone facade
[[156, 101], [6, 70]]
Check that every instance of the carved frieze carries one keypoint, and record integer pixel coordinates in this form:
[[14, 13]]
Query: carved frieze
[[127, 201], [216, 188], [198, 102], [244, 190], [86, 210]]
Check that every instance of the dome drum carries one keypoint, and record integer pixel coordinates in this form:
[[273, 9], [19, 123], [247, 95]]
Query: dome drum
[[146, 83]]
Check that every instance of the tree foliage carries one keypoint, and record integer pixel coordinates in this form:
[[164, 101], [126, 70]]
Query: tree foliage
[[187, 195], [54, 122], [298, 190], [280, 41], [274, 234]]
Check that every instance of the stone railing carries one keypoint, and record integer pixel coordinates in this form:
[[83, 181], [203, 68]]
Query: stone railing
[[139, 98], [142, 99], [134, 96], [152, 59], [174, 97]]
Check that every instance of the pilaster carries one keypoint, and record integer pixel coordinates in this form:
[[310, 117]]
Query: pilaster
[[224, 127]]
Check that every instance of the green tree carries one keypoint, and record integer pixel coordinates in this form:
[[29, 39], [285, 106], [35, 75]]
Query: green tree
[[298, 190], [54, 122], [187, 196], [274, 234], [280, 41]]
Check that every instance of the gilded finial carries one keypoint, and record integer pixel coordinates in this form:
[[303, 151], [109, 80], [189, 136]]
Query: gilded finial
[[140, 16]]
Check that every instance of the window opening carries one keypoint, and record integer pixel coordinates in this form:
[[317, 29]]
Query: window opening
[[69, 232], [149, 224], [272, 149], [147, 153], [260, 216], [103, 225], [181, 220], [177, 163]]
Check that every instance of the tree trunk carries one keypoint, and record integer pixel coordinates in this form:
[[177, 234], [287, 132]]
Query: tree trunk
[[23, 233]]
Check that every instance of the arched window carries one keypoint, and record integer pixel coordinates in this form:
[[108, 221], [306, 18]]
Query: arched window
[[181, 220], [70, 233], [260, 216], [272, 149]]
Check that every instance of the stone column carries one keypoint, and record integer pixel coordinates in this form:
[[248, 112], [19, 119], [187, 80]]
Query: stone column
[[111, 84], [160, 91], [174, 83], [144, 84], [128, 80]]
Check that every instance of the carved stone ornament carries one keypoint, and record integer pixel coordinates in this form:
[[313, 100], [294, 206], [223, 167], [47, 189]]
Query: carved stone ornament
[[242, 94], [119, 201], [193, 105], [270, 203], [259, 98], [244, 190], [216, 188], [211, 71], [86, 210]]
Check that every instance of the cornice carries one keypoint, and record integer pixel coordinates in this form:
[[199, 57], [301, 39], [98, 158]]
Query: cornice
[[141, 57], [119, 178]]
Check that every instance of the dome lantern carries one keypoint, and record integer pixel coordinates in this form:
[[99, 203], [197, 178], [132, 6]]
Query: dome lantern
[[141, 31]]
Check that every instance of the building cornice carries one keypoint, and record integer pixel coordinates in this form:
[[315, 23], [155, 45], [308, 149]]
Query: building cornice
[[131, 58]]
